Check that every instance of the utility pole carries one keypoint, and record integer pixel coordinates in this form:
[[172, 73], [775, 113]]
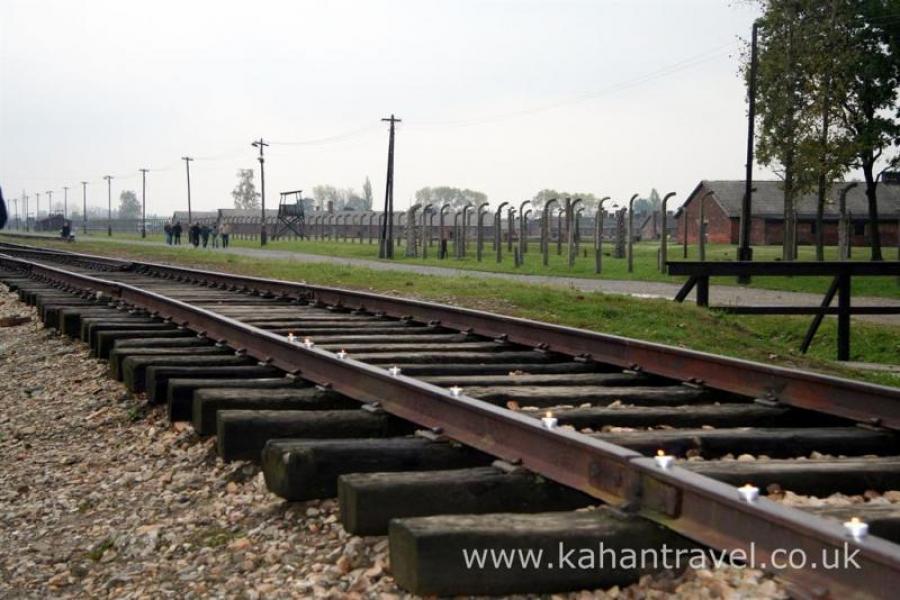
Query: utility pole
[[49, 203], [16, 204], [143, 202], [260, 143], [187, 165], [108, 179], [65, 202], [745, 252], [84, 206], [25, 202], [37, 208], [386, 248]]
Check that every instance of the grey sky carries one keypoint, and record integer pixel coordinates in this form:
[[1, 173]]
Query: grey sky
[[502, 96]]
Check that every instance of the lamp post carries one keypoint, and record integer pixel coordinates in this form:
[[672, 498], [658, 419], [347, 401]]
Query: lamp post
[[143, 202], [84, 206], [65, 202], [745, 251], [260, 143], [108, 179], [187, 167]]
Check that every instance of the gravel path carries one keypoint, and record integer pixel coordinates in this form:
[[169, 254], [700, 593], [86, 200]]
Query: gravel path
[[719, 294], [100, 497]]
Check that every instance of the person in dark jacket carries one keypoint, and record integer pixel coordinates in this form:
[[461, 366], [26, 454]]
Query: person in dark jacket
[[204, 235], [195, 234], [176, 231]]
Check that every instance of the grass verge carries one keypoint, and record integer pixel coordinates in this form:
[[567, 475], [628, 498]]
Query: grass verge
[[769, 339]]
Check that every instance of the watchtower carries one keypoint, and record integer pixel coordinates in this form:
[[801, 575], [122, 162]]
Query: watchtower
[[291, 216]]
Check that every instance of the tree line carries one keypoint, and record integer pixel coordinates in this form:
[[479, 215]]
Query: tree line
[[826, 98]]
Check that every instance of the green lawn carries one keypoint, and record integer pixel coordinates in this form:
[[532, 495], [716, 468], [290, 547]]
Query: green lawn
[[645, 261], [767, 339]]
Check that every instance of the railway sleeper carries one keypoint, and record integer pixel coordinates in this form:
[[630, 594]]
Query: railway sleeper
[[427, 553], [209, 401], [242, 434], [544, 396], [89, 334], [297, 469], [368, 501], [156, 378], [821, 477], [610, 378], [105, 340], [883, 519], [180, 391], [450, 367], [70, 317], [785, 442], [118, 356], [690, 415], [134, 368]]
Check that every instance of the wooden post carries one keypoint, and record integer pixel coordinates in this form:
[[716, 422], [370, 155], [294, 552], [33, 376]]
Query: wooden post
[[843, 339], [703, 290]]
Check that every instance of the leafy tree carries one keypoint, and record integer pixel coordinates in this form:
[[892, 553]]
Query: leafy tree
[[244, 193], [457, 198], [129, 205], [367, 194], [870, 67], [589, 201], [826, 96], [340, 198], [784, 87]]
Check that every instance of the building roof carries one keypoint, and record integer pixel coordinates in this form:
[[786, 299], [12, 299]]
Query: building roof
[[768, 199]]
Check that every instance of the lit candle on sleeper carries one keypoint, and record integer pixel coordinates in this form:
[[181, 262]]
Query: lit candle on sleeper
[[857, 529], [549, 420], [663, 460], [749, 493]]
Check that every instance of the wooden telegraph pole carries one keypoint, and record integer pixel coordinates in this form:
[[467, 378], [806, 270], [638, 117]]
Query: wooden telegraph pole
[[108, 179], [386, 245], [143, 202], [260, 143], [187, 167]]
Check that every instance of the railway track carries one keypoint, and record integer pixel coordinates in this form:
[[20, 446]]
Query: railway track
[[428, 423]]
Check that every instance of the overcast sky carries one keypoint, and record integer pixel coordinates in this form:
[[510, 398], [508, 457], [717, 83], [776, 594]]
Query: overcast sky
[[502, 96]]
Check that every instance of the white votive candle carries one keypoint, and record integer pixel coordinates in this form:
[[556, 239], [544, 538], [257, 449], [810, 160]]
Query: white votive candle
[[549, 420], [857, 529], [749, 493], [663, 460]]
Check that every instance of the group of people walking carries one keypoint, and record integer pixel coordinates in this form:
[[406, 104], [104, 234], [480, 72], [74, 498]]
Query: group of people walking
[[198, 234]]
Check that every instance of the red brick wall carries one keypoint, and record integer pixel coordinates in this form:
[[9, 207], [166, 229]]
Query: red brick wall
[[719, 229], [774, 232]]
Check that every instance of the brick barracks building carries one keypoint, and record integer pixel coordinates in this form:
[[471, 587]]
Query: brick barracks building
[[723, 213]]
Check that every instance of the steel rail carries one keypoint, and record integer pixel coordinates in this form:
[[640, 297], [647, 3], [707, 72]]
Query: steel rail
[[859, 401], [702, 509], [862, 402]]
